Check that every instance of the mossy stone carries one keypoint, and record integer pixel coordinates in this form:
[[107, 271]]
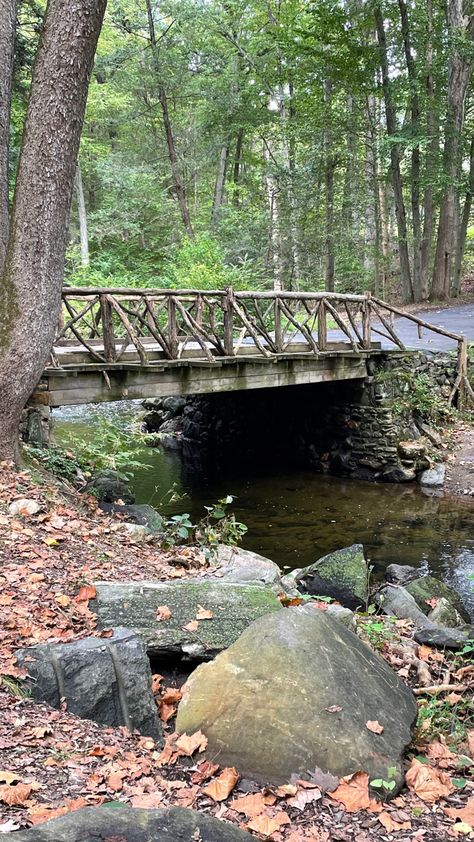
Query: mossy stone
[[427, 587], [342, 575]]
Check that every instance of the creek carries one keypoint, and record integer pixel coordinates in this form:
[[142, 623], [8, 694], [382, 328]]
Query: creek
[[295, 516]]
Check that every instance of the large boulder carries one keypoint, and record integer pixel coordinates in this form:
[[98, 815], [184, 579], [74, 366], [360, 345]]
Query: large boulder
[[244, 567], [105, 679], [110, 486], [126, 824], [179, 630], [342, 575], [295, 692], [428, 588]]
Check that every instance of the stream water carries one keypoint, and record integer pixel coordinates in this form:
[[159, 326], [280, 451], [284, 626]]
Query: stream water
[[296, 516]]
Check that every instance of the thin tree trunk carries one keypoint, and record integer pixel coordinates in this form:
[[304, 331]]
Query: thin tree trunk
[[462, 231], [178, 183], [237, 170], [271, 191], [30, 287], [219, 188], [81, 208], [7, 43], [415, 155], [432, 154], [395, 158], [459, 74]]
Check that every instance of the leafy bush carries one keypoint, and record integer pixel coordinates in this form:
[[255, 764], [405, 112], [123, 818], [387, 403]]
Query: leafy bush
[[219, 526], [112, 447], [200, 264]]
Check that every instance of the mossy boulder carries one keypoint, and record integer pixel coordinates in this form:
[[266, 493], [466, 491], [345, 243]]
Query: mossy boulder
[[296, 692], [428, 588], [136, 605], [342, 575]]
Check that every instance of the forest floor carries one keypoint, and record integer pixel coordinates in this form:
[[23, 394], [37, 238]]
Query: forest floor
[[51, 762], [460, 462]]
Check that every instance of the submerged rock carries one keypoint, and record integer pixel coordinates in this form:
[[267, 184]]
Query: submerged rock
[[107, 680], [428, 588], [295, 692], [179, 630], [433, 477], [126, 824], [342, 575]]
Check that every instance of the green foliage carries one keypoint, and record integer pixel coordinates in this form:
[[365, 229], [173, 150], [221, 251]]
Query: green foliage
[[200, 264], [219, 526], [378, 630], [416, 393], [60, 462], [112, 447], [386, 785]]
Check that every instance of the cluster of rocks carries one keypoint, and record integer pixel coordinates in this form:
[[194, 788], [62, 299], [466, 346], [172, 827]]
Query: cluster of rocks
[[166, 416]]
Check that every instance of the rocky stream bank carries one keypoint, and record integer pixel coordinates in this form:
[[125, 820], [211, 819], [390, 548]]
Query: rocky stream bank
[[310, 706]]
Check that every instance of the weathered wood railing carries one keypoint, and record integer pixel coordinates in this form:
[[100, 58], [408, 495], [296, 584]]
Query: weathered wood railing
[[212, 324]]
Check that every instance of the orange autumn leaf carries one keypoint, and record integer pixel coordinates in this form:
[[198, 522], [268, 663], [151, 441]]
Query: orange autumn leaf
[[166, 712], [15, 794], [220, 788], [86, 593], [390, 824], [115, 781], [374, 726], [441, 755], [163, 613], [353, 793], [428, 783], [62, 600], [465, 814], [266, 825], [189, 744], [41, 813], [192, 626], [250, 805], [203, 613], [171, 695], [148, 801]]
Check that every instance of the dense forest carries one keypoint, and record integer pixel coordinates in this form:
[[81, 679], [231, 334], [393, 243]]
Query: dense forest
[[282, 143]]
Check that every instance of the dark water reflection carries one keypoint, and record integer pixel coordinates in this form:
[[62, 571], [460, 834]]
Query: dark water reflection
[[295, 516]]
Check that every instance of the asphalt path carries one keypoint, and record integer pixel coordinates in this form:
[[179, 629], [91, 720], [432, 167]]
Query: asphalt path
[[457, 319]]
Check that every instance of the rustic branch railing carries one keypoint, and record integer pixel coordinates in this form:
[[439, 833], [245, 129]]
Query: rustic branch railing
[[210, 325]]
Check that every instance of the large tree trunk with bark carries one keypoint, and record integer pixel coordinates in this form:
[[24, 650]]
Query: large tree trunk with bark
[[7, 43], [395, 158], [462, 228], [431, 160], [460, 69], [30, 287]]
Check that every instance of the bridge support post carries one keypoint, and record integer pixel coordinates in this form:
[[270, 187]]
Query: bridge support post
[[107, 328], [228, 305], [322, 327], [366, 330]]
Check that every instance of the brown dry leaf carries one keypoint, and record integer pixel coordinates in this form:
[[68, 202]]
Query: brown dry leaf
[[171, 695], [188, 745], [353, 793], [163, 613], [167, 712], [8, 777], [15, 794], [374, 726], [41, 813], [390, 824], [220, 788], [205, 769], [192, 626], [115, 781], [465, 814], [148, 801], [266, 825], [470, 743], [62, 600], [428, 783], [306, 796], [460, 827], [424, 652], [86, 593], [286, 790], [441, 755], [250, 805], [203, 613]]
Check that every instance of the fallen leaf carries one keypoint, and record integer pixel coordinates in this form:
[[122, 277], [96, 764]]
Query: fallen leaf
[[470, 743], [115, 781], [220, 788], [171, 695], [374, 726], [266, 825], [390, 824], [203, 613], [24, 507], [8, 777], [333, 709], [192, 626], [461, 827], [428, 783], [62, 600], [465, 814], [188, 745], [163, 613], [86, 593], [424, 652], [353, 792], [148, 801], [15, 794], [304, 797], [41, 813], [204, 770], [323, 780], [441, 755], [250, 805]]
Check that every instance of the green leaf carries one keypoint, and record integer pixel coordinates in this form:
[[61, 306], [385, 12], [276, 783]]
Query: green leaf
[[377, 783], [389, 785], [459, 783], [183, 532]]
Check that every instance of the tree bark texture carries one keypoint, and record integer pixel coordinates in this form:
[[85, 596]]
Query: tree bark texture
[[30, 290], [219, 188], [81, 209], [462, 228], [237, 169], [7, 44], [431, 160], [395, 158], [459, 74]]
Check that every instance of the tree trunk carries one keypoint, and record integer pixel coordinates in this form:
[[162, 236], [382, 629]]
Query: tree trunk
[[271, 190], [415, 155], [30, 288], [7, 44], [81, 208], [459, 74], [329, 170], [178, 183], [462, 231], [395, 158], [237, 170], [431, 158], [219, 188]]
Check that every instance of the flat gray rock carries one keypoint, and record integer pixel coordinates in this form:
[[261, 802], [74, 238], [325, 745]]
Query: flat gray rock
[[295, 692], [400, 574], [434, 477], [342, 575], [106, 679], [126, 824], [244, 567], [135, 605]]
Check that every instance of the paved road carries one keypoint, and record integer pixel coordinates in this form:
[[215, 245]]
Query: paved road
[[458, 319]]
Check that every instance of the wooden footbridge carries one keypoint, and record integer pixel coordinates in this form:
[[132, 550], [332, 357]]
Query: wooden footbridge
[[116, 344]]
